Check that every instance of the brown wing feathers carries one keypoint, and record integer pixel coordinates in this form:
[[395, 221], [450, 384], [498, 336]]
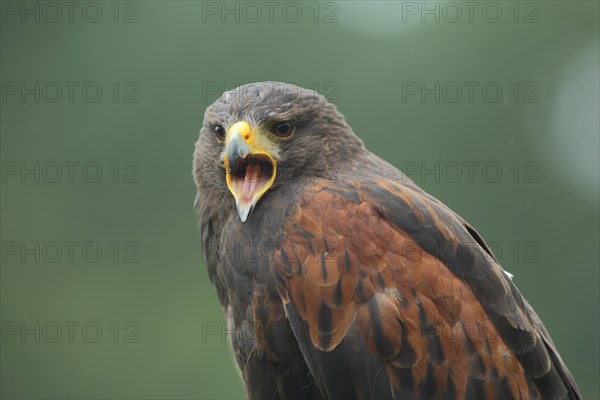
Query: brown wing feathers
[[346, 263]]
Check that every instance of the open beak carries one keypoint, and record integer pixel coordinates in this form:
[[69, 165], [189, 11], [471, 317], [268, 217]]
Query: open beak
[[249, 168]]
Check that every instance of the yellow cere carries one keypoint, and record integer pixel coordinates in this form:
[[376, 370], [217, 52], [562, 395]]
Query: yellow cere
[[244, 129]]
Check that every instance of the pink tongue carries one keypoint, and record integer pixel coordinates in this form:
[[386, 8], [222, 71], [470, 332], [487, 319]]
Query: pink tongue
[[250, 181]]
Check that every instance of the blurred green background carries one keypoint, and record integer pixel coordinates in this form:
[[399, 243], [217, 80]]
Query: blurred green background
[[145, 321]]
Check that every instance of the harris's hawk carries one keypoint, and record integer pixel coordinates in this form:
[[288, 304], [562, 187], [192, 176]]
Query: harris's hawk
[[340, 278]]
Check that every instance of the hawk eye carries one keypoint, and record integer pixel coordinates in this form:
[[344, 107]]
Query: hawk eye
[[283, 129], [219, 132]]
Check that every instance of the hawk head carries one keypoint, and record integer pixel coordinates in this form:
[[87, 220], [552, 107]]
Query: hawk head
[[261, 136]]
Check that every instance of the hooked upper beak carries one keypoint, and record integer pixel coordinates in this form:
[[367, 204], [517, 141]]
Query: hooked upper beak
[[249, 168]]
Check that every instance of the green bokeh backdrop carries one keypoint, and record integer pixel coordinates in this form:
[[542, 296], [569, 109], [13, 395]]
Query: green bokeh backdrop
[[174, 57]]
